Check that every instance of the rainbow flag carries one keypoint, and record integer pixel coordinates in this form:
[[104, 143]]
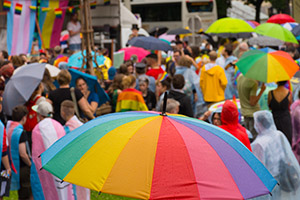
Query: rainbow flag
[[6, 5], [93, 4], [131, 100], [71, 9], [164, 76], [18, 9], [58, 12], [32, 8], [106, 2], [45, 9]]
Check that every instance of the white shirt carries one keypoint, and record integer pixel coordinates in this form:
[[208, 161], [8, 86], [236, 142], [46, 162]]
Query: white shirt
[[75, 39]]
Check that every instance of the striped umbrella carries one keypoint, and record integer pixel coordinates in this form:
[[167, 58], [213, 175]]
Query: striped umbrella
[[267, 66], [148, 155]]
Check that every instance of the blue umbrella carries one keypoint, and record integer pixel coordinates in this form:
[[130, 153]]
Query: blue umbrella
[[92, 82], [76, 60], [21, 85], [150, 43], [267, 50]]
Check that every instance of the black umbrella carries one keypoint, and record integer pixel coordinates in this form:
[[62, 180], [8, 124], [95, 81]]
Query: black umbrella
[[158, 30], [178, 31]]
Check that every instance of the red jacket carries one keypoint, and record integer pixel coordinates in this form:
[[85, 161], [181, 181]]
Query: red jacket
[[230, 123]]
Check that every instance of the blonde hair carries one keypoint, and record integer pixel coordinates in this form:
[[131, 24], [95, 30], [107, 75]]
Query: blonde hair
[[128, 81], [184, 61], [64, 77], [171, 105]]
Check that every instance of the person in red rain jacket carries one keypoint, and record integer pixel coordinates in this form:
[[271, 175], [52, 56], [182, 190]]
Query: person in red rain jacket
[[230, 123]]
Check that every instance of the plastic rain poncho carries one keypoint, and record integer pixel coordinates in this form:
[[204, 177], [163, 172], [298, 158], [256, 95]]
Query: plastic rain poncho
[[272, 148]]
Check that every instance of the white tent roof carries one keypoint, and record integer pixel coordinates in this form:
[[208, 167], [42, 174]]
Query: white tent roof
[[240, 10]]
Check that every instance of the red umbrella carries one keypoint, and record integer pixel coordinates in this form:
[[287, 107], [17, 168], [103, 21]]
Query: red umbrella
[[280, 19], [139, 52]]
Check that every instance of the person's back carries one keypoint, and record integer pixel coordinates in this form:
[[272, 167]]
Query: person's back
[[213, 80], [44, 134], [130, 99], [272, 148], [177, 93]]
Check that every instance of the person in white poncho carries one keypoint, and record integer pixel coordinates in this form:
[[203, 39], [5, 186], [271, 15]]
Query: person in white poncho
[[272, 148]]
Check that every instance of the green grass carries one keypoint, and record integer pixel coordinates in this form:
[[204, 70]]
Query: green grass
[[94, 196]]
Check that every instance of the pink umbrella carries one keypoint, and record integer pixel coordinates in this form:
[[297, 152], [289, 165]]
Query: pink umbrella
[[167, 37], [139, 52], [253, 24]]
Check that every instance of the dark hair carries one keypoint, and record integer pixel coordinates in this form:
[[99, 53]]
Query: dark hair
[[291, 49], [176, 50], [170, 68], [281, 83], [42, 53], [79, 78], [140, 70], [178, 81], [195, 51], [123, 69], [152, 55], [166, 82], [19, 112], [229, 49], [5, 54]]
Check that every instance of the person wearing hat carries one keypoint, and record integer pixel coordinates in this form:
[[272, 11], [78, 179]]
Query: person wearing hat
[[140, 72], [44, 134], [135, 31], [156, 70]]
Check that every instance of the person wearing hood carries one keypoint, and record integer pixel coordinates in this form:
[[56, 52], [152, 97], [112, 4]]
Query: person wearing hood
[[213, 80], [230, 123], [272, 148]]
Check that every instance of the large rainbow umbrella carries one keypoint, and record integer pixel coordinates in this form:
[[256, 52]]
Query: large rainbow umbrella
[[267, 67], [147, 155]]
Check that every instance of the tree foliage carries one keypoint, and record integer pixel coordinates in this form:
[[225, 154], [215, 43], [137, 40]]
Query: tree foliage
[[222, 6]]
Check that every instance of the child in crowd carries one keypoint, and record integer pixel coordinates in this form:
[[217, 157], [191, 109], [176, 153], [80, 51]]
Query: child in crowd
[[148, 95], [20, 152], [67, 112]]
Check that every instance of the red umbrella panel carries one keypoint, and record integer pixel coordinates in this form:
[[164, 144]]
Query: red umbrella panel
[[280, 19]]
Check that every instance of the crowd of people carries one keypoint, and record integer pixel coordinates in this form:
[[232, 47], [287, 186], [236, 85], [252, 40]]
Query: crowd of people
[[193, 78]]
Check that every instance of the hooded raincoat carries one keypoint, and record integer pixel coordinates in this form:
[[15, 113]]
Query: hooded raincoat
[[213, 82], [295, 115], [272, 148], [230, 123]]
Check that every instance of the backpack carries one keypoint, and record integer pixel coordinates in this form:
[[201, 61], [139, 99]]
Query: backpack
[[289, 179], [31, 118]]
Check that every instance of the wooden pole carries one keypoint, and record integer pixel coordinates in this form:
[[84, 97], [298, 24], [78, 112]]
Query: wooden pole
[[87, 33]]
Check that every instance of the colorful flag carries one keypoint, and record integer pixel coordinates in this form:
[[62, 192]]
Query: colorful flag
[[93, 4], [58, 12], [71, 9], [106, 2], [18, 9], [32, 8], [45, 9], [6, 5]]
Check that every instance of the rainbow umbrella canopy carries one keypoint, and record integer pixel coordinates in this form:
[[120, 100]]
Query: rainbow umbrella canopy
[[267, 66], [276, 31], [147, 155], [230, 28]]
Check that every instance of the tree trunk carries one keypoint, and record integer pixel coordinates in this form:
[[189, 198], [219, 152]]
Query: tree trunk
[[286, 9], [257, 13]]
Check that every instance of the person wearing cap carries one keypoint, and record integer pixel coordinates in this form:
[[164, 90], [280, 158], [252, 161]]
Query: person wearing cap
[[156, 70], [44, 134], [140, 72]]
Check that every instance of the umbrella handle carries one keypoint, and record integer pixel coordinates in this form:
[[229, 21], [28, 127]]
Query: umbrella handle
[[163, 113]]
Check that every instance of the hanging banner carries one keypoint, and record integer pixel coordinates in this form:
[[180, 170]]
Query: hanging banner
[[20, 26], [50, 24]]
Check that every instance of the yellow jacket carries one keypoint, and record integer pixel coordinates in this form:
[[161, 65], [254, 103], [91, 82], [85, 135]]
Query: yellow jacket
[[213, 82]]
